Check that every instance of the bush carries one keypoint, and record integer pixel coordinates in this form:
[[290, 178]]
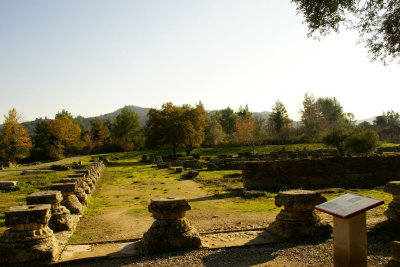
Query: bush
[[336, 139], [362, 142]]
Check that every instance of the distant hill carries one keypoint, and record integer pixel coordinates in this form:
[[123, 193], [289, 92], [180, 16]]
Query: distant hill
[[370, 120]]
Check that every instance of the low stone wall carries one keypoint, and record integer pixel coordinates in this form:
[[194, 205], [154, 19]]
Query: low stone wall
[[345, 172]]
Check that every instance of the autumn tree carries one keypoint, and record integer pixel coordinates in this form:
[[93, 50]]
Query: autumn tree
[[15, 142], [59, 137], [126, 130], [378, 22], [175, 127], [245, 130], [99, 133]]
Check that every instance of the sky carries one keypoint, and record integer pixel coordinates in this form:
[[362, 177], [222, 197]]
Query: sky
[[93, 57]]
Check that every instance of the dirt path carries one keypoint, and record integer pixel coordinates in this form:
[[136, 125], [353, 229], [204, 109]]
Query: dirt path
[[130, 221], [66, 160]]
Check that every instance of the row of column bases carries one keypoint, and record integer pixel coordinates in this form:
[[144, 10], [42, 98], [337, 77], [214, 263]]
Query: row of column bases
[[39, 231], [31, 235]]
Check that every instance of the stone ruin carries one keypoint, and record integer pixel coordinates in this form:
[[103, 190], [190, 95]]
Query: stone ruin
[[29, 238], [298, 219], [393, 210], [170, 230], [40, 230], [69, 200], [60, 216], [344, 172]]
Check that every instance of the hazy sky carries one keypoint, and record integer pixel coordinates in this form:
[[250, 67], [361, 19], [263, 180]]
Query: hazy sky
[[92, 57]]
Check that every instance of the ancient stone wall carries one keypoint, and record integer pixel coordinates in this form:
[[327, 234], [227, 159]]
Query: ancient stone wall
[[345, 172], [40, 230]]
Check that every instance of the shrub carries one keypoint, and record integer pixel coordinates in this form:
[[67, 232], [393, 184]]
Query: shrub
[[362, 142], [336, 139]]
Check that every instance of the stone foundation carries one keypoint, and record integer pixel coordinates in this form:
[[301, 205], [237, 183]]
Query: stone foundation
[[298, 218], [344, 172], [171, 230], [60, 216], [393, 210], [29, 238]]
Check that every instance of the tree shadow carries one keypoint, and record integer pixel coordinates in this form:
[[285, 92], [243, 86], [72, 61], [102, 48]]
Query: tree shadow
[[252, 253], [202, 199], [380, 237], [124, 164]]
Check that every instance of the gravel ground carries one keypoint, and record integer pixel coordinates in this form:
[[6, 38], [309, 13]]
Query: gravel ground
[[303, 253]]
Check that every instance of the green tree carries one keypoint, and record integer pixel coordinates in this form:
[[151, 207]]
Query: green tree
[[228, 120], [15, 142], [324, 115], [126, 130], [213, 132], [279, 118], [175, 127], [336, 139], [378, 22], [244, 112]]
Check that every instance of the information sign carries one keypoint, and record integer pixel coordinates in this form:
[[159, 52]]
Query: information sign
[[348, 205]]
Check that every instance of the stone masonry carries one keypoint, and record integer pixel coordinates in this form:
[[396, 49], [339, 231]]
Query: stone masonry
[[29, 238], [60, 216], [297, 219], [171, 230], [393, 210]]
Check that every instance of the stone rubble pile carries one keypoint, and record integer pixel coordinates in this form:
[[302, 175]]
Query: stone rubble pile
[[39, 231]]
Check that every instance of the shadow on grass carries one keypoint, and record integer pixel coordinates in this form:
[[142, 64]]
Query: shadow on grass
[[124, 164], [202, 199]]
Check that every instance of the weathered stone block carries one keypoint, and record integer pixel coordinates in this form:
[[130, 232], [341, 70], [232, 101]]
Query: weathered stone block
[[298, 218], [7, 184], [29, 239], [170, 231]]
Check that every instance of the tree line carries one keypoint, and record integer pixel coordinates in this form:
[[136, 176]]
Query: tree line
[[186, 128]]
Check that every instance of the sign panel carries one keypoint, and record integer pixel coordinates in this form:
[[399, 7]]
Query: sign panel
[[348, 205]]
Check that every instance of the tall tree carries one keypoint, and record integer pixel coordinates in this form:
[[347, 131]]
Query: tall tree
[[228, 120], [65, 133], [245, 130], [126, 130], [378, 22], [213, 132], [175, 127], [99, 133], [323, 115], [15, 142], [279, 118]]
